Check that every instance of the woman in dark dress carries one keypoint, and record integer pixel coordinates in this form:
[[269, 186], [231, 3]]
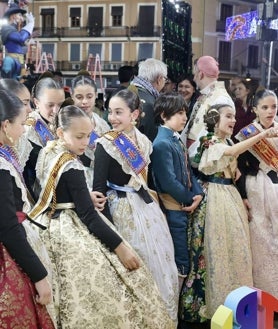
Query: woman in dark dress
[[244, 108]]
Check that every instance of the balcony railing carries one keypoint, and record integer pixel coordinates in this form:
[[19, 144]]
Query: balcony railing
[[82, 65], [99, 32], [140, 31]]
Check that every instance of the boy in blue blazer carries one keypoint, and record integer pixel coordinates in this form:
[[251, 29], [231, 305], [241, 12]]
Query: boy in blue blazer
[[174, 180]]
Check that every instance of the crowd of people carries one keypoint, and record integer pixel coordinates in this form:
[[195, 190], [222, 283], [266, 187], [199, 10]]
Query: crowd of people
[[144, 215]]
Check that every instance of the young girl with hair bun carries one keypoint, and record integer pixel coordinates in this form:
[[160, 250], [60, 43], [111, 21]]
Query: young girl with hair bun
[[258, 187], [122, 157], [227, 243]]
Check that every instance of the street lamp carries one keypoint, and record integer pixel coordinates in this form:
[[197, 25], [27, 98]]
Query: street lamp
[[248, 77]]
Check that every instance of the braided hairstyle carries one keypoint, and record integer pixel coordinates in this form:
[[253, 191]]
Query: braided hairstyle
[[211, 118]]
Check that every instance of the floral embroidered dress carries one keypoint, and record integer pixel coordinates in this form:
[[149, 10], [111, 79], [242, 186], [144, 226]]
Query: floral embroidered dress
[[260, 185], [92, 290], [227, 242], [136, 215], [192, 296]]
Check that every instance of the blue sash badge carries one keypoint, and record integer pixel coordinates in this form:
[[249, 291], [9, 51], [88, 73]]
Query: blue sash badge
[[249, 131], [43, 131], [130, 153], [94, 136]]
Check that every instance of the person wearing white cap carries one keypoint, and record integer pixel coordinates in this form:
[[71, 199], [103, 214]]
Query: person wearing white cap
[[14, 40], [206, 72]]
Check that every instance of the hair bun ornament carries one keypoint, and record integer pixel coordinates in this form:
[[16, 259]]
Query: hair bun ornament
[[211, 118]]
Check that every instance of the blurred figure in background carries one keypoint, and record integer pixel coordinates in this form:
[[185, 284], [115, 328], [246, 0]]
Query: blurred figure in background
[[244, 107], [187, 87], [232, 86], [125, 75], [170, 84], [14, 38]]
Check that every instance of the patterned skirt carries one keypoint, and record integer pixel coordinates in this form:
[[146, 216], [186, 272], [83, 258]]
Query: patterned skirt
[[18, 306], [145, 227], [192, 296], [92, 289], [262, 195]]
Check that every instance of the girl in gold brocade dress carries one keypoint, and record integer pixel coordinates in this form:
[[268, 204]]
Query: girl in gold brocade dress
[[227, 242], [121, 163], [99, 280]]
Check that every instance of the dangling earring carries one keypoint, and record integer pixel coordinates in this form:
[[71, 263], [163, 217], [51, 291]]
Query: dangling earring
[[134, 122], [11, 140]]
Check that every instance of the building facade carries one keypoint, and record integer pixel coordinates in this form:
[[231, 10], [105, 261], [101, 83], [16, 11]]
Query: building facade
[[123, 32], [236, 57], [120, 33]]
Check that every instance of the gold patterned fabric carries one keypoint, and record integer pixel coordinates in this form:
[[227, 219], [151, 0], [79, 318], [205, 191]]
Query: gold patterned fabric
[[227, 241], [31, 234], [18, 307], [92, 289], [143, 224]]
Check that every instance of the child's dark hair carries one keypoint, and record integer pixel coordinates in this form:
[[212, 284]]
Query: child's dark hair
[[45, 83], [10, 105], [212, 116], [131, 99], [261, 94], [169, 104], [188, 78], [65, 115], [13, 85], [82, 80]]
